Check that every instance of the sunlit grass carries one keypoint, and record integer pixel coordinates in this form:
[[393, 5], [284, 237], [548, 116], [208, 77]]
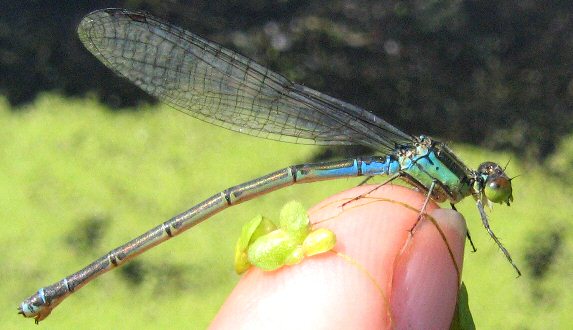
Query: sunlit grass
[[67, 165]]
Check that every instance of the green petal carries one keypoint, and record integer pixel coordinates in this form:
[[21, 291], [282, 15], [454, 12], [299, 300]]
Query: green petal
[[319, 241], [295, 256], [270, 251], [252, 230], [293, 218]]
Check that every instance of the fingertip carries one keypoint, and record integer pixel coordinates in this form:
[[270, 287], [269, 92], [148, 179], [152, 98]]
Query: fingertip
[[322, 292], [427, 274], [452, 220], [348, 288], [378, 264]]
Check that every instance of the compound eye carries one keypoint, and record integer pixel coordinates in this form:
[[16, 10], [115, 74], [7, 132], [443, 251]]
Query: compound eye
[[498, 189]]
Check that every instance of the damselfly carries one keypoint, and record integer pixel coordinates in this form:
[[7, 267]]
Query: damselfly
[[219, 86]]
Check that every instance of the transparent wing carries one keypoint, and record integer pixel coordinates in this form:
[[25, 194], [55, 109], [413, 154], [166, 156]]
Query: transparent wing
[[219, 86]]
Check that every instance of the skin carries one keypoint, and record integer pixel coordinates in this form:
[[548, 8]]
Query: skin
[[386, 278]]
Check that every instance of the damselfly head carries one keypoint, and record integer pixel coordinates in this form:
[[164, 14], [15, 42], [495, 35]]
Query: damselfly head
[[496, 184]]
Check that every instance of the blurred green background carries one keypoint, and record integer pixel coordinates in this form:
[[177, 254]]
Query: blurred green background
[[85, 165]]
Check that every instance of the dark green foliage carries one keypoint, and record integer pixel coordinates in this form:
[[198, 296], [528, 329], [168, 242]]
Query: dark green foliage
[[87, 235], [496, 73], [133, 272], [543, 249], [463, 319]]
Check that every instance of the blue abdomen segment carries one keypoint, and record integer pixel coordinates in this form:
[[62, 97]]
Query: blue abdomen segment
[[361, 166], [380, 166]]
